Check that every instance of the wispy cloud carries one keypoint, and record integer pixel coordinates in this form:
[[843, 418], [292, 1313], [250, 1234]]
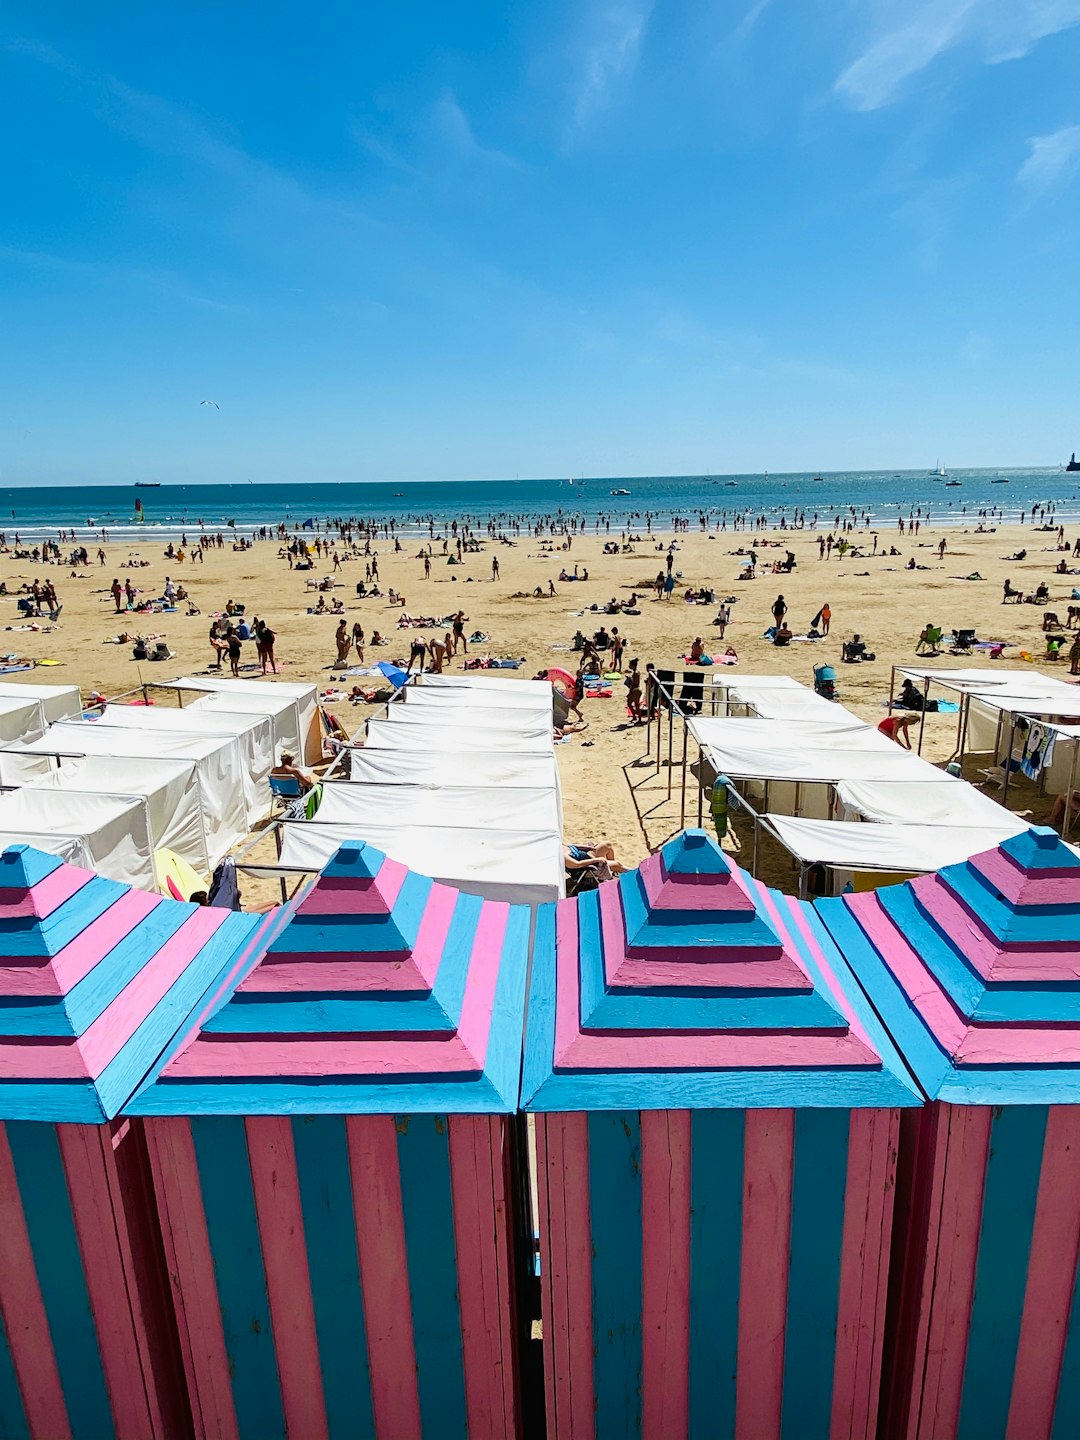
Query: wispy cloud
[[749, 21], [1052, 160], [905, 39], [455, 130], [609, 55]]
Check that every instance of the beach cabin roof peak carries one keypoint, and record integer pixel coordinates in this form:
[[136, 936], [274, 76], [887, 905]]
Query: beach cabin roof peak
[[976, 971], [654, 992], [96, 979], [379, 991]]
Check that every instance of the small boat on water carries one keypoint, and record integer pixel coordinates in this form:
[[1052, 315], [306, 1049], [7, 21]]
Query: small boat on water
[[940, 472], [620, 492], [952, 484], [1073, 464], [817, 480], [1000, 481], [156, 484]]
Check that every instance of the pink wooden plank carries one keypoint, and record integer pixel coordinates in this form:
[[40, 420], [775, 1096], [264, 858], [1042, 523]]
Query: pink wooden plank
[[102, 1039], [191, 1276], [794, 918], [474, 1026], [665, 891], [984, 952], [46, 896], [665, 1274], [29, 1057], [380, 1241], [483, 1263], [953, 1276], [344, 972], [566, 1275], [217, 1054], [550, 1226], [288, 1282], [356, 894], [1019, 886], [1055, 1246], [768, 1155], [25, 1321], [85, 1151]]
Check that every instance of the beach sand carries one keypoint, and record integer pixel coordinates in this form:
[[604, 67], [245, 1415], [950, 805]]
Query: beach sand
[[606, 783]]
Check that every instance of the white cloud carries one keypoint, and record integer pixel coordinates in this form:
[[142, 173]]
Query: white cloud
[[609, 55], [1051, 160], [905, 39], [456, 132]]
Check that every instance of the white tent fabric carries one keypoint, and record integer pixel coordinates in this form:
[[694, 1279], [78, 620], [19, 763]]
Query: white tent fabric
[[417, 699], [451, 769], [69, 848], [522, 867], [281, 712], [473, 807], [510, 696], [114, 830], [782, 704], [218, 763], [307, 740], [431, 735], [59, 702], [253, 734], [169, 787], [523, 723], [804, 750], [851, 845], [488, 684], [944, 801], [21, 718]]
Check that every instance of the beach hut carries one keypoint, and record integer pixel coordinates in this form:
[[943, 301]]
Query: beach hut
[[976, 973], [113, 831], [302, 733], [95, 980], [716, 1112], [58, 702], [335, 1162]]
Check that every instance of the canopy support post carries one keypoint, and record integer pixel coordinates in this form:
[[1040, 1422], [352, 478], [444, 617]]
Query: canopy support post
[[682, 807], [922, 717], [1008, 757], [700, 790], [1066, 819]]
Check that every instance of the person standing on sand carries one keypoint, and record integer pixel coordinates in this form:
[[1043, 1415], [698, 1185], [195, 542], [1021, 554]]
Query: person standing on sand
[[632, 681], [264, 645], [427, 567], [358, 641], [437, 650], [826, 618], [117, 590], [941, 548], [459, 641], [494, 567], [344, 643], [234, 652], [779, 610]]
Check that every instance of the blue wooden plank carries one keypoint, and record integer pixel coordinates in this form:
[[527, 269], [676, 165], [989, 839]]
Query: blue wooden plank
[[540, 1029], [39, 1169], [502, 1062], [353, 931], [370, 1095], [716, 1190], [44, 1015], [1012, 1185], [322, 1167], [1067, 1410], [722, 1089], [690, 929], [13, 1422], [34, 938], [101, 985], [817, 1233], [428, 1212], [615, 1223], [51, 1100], [229, 1205]]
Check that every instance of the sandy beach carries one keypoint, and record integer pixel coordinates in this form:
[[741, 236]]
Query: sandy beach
[[606, 785]]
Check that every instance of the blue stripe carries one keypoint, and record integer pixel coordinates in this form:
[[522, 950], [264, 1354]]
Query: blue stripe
[[502, 1061], [428, 1212], [35, 1150], [1012, 1185], [322, 1169], [817, 1233], [539, 1056], [229, 1205], [13, 1422], [1067, 1412], [716, 1189], [615, 1224]]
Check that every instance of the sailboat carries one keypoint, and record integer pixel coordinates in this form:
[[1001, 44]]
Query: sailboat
[[940, 472]]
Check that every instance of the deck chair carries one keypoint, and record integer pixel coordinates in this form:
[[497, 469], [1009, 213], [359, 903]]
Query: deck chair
[[929, 642], [963, 641], [284, 788], [578, 881]]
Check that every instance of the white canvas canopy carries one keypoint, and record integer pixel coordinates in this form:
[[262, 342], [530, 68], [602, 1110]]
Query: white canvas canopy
[[219, 768], [303, 736], [488, 684], [771, 703], [452, 769], [943, 801], [252, 733], [523, 723], [58, 702], [803, 750], [430, 734], [851, 845], [21, 718], [169, 787], [114, 831], [522, 867], [418, 697], [471, 806]]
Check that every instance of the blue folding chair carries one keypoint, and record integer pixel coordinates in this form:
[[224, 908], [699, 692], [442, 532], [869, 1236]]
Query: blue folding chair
[[284, 787]]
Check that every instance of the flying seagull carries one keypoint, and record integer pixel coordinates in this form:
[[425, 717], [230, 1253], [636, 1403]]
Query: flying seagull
[[210, 402]]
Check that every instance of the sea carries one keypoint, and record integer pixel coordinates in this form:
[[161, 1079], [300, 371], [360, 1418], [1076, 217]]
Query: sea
[[636, 503]]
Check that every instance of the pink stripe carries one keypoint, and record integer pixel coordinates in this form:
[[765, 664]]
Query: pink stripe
[[1023, 887], [478, 1004], [768, 1152], [795, 917], [346, 973], [380, 1242], [665, 1275], [562, 1154], [356, 894], [77, 959], [106, 1036], [320, 1055], [983, 952], [864, 1273], [86, 1153], [46, 896], [727, 965], [288, 1282], [717, 1049], [33, 1057], [25, 1322], [965, 1138], [666, 891], [191, 1275], [482, 1245], [1055, 1245]]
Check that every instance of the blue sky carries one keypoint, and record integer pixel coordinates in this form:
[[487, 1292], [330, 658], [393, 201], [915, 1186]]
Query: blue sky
[[414, 240]]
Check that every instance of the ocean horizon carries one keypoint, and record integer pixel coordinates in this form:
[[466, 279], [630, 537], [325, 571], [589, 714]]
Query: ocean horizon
[[959, 497]]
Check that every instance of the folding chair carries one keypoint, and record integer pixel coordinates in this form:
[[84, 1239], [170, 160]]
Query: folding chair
[[283, 788]]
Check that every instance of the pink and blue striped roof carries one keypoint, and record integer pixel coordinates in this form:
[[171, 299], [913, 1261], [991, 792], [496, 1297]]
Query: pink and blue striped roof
[[380, 992], [96, 979], [976, 971], [686, 983]]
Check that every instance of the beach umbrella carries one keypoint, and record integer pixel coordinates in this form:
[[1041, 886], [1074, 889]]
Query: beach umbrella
[[396, 677]]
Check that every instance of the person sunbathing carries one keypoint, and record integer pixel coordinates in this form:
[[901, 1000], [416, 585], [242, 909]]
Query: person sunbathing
[[598, 858], [287, 768]]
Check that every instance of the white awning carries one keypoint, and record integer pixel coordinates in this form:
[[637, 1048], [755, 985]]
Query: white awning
[[59, 702], [114, 831], [945, 801], [430, 735], [475, 807], [21, 718], [528, 723], [804, 750], [489, 683], [451, 769], [851, 845], [308, 739]]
